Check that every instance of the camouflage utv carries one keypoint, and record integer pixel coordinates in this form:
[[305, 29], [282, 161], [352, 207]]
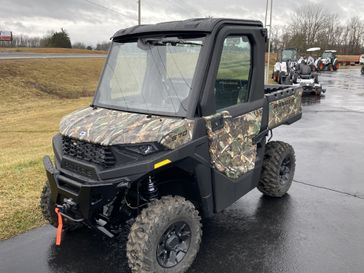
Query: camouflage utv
[[177, 131]]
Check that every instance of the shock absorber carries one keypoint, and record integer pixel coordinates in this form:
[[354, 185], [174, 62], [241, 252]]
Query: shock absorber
[[152, 189]]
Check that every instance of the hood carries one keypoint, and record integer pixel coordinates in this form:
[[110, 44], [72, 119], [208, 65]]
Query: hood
[[111, 127]]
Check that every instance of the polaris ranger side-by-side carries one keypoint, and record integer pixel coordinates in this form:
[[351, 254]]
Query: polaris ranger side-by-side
[[177, 131]]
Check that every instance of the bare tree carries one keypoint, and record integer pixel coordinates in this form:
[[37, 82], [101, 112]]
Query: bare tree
[[354, 35], [312, 25], [103, 46], [79, 45], [309, 24], [276, 38]]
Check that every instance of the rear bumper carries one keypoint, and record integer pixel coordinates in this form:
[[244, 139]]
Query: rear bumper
[[89, 199]]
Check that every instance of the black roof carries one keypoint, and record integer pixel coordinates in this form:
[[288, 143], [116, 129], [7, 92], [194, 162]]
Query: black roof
[[205, 25]]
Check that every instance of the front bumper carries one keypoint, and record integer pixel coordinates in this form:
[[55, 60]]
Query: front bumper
[[310, 86], [89, 199]]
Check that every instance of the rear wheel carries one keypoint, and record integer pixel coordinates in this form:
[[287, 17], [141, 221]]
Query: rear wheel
[[47, 207], [282, 78], [275, 76], [336, 66], [165, 237], [278, 169]]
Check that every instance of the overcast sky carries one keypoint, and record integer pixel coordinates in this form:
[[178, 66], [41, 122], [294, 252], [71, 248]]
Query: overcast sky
[[88, 22]]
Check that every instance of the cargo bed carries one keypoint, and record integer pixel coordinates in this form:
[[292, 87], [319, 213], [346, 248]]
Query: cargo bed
[[284, 102]]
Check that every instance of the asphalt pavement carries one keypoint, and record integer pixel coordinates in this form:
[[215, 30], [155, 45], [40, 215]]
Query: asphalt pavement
[[26, 55], [318, 227]]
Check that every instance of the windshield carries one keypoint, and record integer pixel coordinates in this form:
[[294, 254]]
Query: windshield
[[289, 55], [150, 75], [326, 55]]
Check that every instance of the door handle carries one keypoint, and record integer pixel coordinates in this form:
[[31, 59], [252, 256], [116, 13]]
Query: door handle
[[217, 123]]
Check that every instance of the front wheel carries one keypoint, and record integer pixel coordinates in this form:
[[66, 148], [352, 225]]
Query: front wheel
[[278, 169], [165, 237]]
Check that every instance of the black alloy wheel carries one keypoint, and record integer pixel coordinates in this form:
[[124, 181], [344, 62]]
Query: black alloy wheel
[[174, 244], [285, 171]]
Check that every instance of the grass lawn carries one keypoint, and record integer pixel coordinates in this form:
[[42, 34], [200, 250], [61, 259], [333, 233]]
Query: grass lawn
[[35, 94]]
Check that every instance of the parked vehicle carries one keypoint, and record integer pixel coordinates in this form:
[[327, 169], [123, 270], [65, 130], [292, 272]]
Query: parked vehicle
[[306, 77], [177, 131], [327, 61], [361, 59], [288, 58], [312, 56]]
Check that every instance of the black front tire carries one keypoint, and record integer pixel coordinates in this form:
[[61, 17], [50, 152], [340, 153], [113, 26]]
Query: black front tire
[[315, 76], [47, 207], [287, 81], [149, 230], [295, 78], [278, 169]]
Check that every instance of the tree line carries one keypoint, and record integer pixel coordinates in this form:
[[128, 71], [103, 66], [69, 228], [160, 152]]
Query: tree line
[[314, 26], [59, 39]]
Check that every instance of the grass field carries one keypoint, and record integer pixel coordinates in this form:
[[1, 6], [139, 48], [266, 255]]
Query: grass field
[[51, 50], [35, 94]]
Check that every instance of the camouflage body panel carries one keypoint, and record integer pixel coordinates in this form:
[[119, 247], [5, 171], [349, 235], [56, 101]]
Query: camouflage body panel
[[282, 109], [110, 127], [231, 148]]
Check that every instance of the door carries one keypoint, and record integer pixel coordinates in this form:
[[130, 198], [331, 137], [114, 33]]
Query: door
[[236, 122]]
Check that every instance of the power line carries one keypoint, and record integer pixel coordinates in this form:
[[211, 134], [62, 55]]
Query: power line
[[104, 7]]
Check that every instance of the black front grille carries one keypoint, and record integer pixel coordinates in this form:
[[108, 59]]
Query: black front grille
[[78, 168], [89, 152]]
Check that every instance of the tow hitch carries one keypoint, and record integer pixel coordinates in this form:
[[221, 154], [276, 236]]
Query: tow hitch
[[61, 211], [68, 206], [59, 228]]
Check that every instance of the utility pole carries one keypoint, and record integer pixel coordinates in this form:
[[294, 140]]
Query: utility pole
[[139, 11], [269, 33]]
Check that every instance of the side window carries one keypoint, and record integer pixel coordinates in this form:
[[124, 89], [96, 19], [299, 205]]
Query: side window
[[232, 81]]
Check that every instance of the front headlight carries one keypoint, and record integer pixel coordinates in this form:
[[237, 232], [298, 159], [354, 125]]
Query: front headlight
[[144, 148]]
